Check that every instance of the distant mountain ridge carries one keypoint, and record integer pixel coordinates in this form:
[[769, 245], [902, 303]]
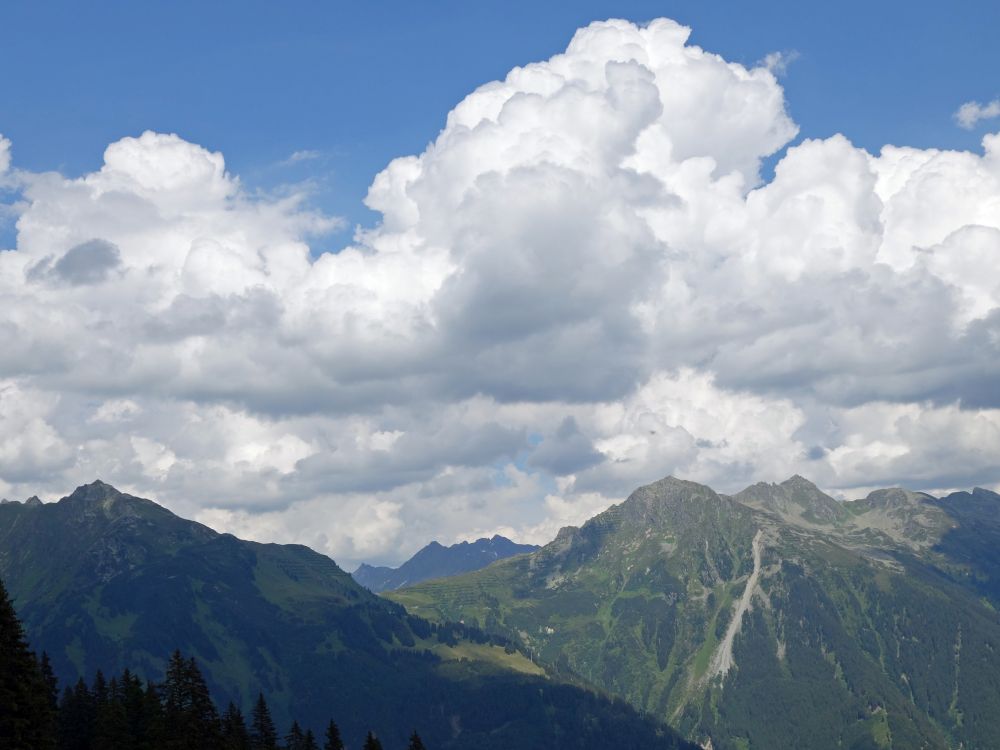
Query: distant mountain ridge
[[438, 561], [777, 617], [105, 580]]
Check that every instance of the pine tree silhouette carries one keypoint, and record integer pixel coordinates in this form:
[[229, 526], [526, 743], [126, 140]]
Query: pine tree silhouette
[[234, 729], [333, 741], [263, 735], [110, 724], [76, 717], [23, 721], [153, 719], [191, 720], [48, 704], [296, 738]]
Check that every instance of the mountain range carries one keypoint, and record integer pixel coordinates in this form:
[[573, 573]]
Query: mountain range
[[777, 617], [438, 561], [104, 580]]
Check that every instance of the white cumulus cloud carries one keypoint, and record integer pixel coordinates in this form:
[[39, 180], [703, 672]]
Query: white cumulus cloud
[[581, 285], [972, 113]]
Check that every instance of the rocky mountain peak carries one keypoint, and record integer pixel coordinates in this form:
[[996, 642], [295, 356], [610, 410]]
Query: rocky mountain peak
[[668, 492], [799, 482], [984, 494], [671, 507], [99, 500], [95, 492], [794, 499], [106, 512], [985, 503], [895, 497]]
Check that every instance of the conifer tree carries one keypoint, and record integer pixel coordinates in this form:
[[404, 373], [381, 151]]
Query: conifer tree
[[133, 708], [415, 742], [153, 722], [372, 742], [64, 733], [76, 718], [99, 690], [191, 720], [110, 724], [234, 729], [263, 735], [48, 705], [173, 684], [203, 711], [295, 739], [333, 741], [310, 741], [22, 724]]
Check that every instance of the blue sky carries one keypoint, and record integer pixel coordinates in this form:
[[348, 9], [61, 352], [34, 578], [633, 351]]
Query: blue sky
[[359, 83]]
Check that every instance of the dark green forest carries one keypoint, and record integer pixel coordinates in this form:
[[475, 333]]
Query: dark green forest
[[127, 713]]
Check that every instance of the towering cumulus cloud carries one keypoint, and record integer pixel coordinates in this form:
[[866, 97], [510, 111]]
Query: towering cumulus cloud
[[582, 284]]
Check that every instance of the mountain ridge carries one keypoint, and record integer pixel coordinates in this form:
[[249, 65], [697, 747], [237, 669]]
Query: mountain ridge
[[437, 561]]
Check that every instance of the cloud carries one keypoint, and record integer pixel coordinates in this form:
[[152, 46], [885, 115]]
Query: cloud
[[778, 62], [937, 447], [30, 447], [683, 424], [566, 451], [4, 154], [971, 114], [580, 286], [89, 262], [300, 156]]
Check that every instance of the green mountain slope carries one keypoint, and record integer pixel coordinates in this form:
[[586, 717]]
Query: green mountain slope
[[776, 618], [105, 580]]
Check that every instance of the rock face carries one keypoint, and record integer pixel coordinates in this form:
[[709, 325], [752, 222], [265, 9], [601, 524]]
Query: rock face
[[438, 561], [778, 617], [105, 580]]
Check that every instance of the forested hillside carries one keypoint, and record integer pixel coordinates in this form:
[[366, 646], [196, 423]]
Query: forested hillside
[[775, 618]]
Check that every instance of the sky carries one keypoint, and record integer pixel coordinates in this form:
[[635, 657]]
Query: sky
[[365, 275]]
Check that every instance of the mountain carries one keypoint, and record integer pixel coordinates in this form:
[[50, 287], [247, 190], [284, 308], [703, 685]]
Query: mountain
[[774, 618], [437, 561], [105, 580]]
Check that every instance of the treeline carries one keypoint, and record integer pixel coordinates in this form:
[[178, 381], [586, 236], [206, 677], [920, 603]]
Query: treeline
[[124, 713]]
